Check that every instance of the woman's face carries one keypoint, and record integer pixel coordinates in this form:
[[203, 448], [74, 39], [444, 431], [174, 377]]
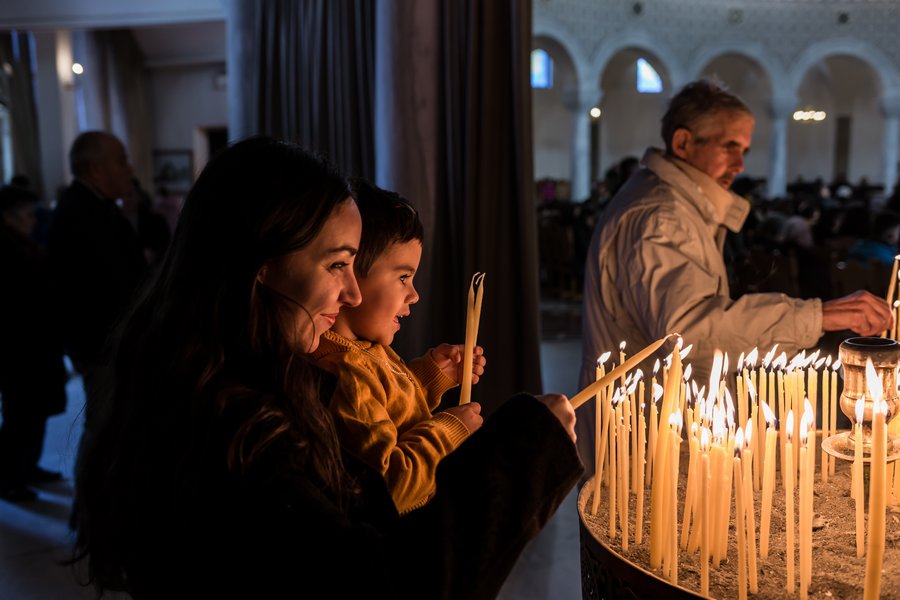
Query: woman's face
[[319, 277]]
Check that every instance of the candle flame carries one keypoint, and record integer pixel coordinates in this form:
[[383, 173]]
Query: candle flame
[[769, 356], [739, 442], [860, 410], [751, 389], [790, 424], [656, 367], [694, 387], [601, 360], [819, 363], [836, 365], [686, 351], [896, 303], [781, 361], [657, 392], [704, 439], [768, 414], [718, 423], [632, 386], [687, 372], [715, 373], [694, 429], [725, 364], [668, 361], [622, 346], [751, 358], [811, 358], [749, 430], [873, 382], [828, 361], [879, 407], [740, 362], [676, 420]]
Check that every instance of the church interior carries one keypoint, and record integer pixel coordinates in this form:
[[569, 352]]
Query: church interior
[[510, 126]]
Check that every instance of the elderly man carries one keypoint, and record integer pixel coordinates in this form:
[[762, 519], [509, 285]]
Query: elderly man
[[655, 262]]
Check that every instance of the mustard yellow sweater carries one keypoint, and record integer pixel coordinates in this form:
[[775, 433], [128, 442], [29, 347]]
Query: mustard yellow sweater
[[382, 411]]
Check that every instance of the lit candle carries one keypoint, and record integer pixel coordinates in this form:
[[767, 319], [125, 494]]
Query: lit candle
[[768, 483], [691, 493], [658, 519], [857, 486], [749, 512], [654, 418], [877, 475], [623, 481], [473, 317], [832, 461], [704, 512], [805, 522], [789, 502], [674, 455], [654, 428], [739, 518], [614, 475], [639, 505], [603, 415], [826, 422]]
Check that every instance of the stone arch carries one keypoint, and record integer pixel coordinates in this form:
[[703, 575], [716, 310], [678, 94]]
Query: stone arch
[[636, 40], [559, 33], [751, 50], [881, 65]]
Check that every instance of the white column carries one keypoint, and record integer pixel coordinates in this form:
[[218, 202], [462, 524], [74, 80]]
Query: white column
[[780, 110], [579, 101], [890, 109]]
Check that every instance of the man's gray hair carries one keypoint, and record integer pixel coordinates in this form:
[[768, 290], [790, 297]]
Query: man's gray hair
[[696, 101]]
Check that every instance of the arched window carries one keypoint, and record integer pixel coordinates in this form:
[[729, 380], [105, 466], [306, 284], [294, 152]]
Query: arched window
[[648, 80], [541, 69]]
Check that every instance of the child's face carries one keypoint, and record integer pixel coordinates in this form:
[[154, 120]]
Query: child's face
[[387, 292]]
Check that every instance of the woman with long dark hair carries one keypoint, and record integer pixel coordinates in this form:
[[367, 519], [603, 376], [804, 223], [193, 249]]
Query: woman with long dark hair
[[213, 468]]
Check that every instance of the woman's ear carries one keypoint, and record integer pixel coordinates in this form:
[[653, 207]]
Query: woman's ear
[[261, 275], [681, 139]]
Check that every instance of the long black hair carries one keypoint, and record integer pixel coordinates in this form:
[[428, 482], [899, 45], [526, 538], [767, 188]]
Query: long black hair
[[205, 343]]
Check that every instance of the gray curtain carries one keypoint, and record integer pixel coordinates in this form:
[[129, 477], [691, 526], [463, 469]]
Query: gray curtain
[[17, 92], [482, 201], [305, 73]]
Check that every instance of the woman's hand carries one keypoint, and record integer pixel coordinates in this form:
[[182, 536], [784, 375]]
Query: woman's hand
[[562, 409], [448, 358]]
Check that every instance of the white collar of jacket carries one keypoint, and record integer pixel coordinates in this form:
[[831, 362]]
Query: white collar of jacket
[[716, 204]]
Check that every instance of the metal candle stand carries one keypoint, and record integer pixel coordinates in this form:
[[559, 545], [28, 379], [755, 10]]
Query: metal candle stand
[[885, 355]]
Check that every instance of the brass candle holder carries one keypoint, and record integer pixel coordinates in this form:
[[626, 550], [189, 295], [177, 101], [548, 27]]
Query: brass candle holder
[[885, 356]]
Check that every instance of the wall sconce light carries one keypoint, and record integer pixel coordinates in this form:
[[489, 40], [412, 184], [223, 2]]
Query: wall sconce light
[[77, 68], [595, 112]]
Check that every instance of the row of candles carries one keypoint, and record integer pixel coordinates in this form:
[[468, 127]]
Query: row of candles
[[727, 461]]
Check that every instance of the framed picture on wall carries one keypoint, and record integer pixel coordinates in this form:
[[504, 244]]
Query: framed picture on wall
[[173, 170]]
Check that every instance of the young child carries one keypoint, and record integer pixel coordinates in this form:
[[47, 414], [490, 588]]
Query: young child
[[381, 406]]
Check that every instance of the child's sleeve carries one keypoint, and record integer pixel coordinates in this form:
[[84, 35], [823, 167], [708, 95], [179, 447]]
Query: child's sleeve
[[432, 379], [408, 461]]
